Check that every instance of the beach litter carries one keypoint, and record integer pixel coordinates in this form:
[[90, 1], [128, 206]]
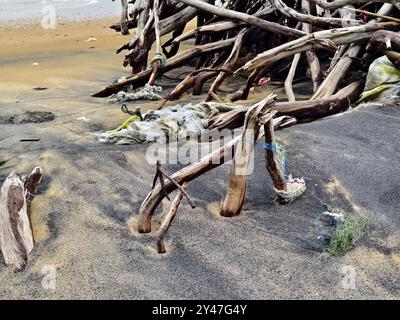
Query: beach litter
[[335, 232], [29, 140], [383, 81], [91, 39], [152, 93], [178, 122], [83, 119]]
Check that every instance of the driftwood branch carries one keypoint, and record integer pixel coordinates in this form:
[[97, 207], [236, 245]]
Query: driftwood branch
[[169, 218], [317, 40], [302, 111], [272, 163], [253, 20], [16, 238], [241, 165], [342, 3], [250, 39]]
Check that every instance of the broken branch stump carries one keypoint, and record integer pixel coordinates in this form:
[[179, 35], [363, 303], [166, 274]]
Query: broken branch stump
[[240, 168]]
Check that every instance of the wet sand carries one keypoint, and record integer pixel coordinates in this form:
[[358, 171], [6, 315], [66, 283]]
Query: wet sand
[[84, 215]]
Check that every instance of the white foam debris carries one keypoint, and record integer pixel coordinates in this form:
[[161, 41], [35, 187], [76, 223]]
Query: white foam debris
[[83, 119]]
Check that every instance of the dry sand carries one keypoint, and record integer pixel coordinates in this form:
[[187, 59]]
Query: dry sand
[[84, 216]]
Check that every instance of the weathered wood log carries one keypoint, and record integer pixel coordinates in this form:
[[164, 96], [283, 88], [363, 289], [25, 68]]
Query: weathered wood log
[[341, 3], [373, 14], [141, 44], [16, 238], [303, 111], [312, 58], [231, 14], [289, 79], [320, 39], [307, 18], [337, 56], [244, 156], [222, 26], [137, 57], [330, 85], [315, 109], [157, 61], [209, 29], [384, 40], [195, 80], [131, 24], [180, 59], [168, 219], [187, 174], [271, 161], [124, 17]]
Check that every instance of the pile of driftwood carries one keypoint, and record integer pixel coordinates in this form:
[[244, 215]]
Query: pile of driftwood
[[254, 40], [259, 121], [328, 43]]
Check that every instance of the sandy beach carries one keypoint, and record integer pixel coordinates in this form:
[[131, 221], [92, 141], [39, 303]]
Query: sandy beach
[[84, 216], [20, 13]]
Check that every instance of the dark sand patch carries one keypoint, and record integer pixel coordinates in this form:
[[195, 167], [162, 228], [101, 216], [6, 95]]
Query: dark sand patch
[[27, 117]]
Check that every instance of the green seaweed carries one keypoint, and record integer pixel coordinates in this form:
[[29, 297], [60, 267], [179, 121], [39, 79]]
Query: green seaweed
[[348, 233]]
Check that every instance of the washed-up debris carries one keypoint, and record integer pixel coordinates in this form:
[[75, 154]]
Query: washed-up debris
[[335, 232], [383, 81], [40, 88], [83, 119], [27, 117], [177, 122], [91, 39], [147, 93], [29, 139], [16, 237], [286, 187]]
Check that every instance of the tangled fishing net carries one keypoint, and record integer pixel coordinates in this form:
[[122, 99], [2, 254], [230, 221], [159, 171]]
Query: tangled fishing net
[[173, 123], [152, 93], [295, 187]]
